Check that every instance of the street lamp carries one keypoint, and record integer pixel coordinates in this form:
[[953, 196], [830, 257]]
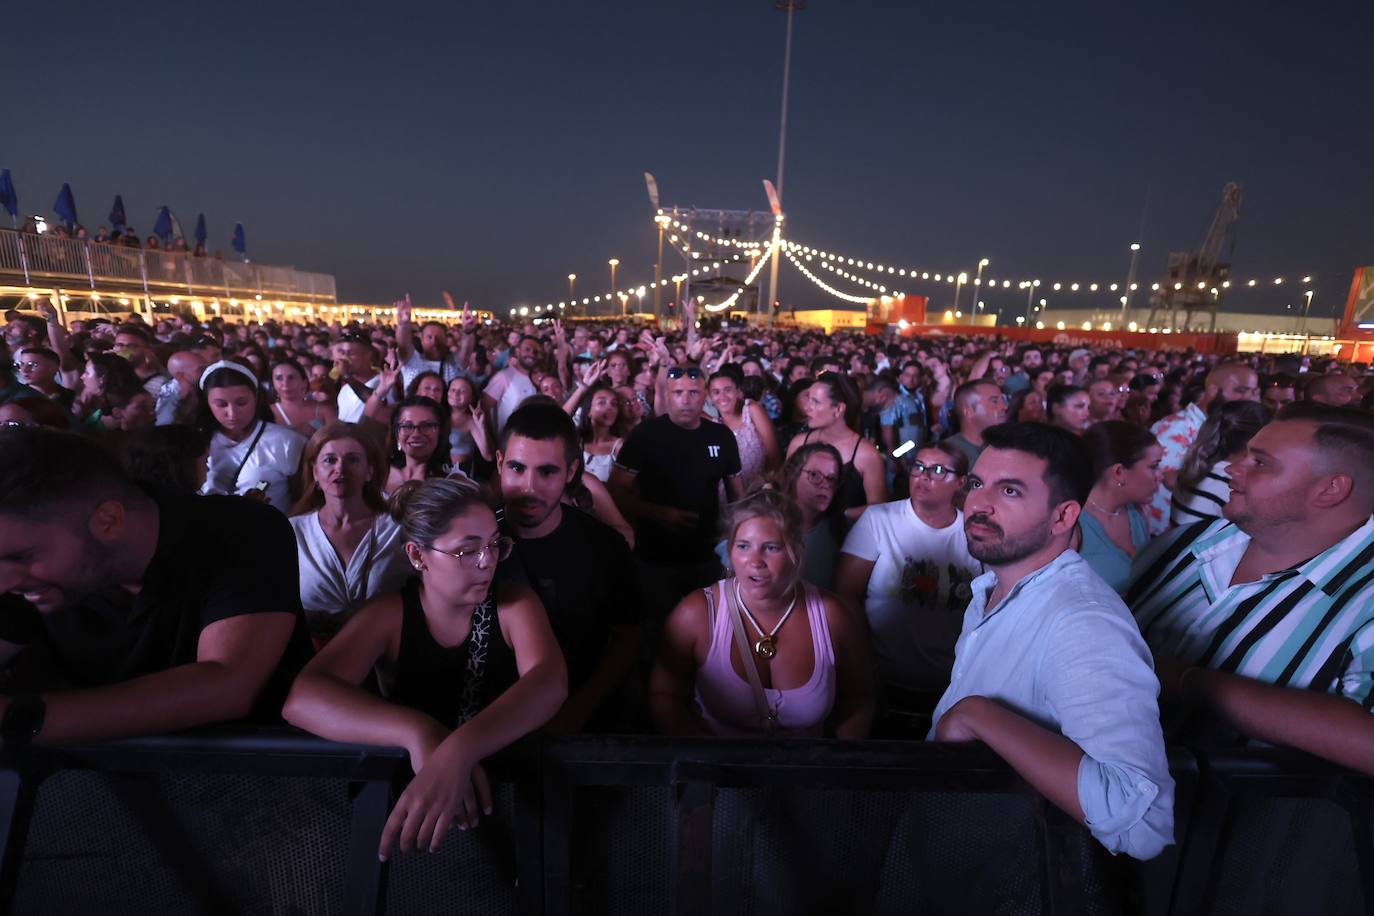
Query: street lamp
[[1130, 282], [662, 220], [1307, 308], [959, 285], [614, 262], [572, 279]]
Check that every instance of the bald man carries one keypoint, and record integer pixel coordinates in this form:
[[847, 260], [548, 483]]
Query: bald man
[[1176, 432], [177, 397], [1335, 389]]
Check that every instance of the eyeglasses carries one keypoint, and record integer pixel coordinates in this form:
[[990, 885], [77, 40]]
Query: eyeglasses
[[817, 478], [474, 558], [428, 426], [934, 471], [27, 365], [692, 372]]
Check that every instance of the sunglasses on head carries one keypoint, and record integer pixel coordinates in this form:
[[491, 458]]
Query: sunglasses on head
[[691, 372]]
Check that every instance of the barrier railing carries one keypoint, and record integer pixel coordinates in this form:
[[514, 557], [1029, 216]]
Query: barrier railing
[[45, 260], [271, 820]]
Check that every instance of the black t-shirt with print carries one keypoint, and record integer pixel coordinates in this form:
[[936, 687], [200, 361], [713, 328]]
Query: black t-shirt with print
[[583, 574], [681, 468], [217, 557]]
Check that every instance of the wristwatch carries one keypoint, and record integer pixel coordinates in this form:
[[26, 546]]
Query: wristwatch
[[23, 721]]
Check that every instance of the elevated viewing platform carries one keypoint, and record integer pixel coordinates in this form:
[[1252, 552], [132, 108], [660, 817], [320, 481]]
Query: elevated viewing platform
[[90, 278]]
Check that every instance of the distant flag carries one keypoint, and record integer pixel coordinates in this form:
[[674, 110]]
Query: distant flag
[[8, 199], [162, 227], [65, 206], [117, 218], [176, 226], [201, 234], [240, 244], [653, 189]]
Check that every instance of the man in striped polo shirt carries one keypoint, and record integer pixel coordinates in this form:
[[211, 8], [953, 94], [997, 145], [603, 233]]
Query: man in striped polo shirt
[[1265, 617]]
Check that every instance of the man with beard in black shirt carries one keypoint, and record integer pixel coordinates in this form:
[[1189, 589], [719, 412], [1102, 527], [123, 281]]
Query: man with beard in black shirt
[[581, 569], [134, 613], [666, 481]]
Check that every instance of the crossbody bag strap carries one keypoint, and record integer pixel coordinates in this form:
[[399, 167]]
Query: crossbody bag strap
[[262, 428], [766, 717]]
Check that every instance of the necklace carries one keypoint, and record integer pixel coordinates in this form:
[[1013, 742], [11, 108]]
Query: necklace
[[767, 645], [1102, 509]]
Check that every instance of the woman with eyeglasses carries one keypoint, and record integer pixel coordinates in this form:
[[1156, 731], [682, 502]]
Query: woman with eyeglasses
[[832, 416], [419, 442], [350, 549], [466, 665], [812, 477], [906, 567]]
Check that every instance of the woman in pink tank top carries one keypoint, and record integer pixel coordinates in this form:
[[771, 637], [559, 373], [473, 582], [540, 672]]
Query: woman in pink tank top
[[762, 652]]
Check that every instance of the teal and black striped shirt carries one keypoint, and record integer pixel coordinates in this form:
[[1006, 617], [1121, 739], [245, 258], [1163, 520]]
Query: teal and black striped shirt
[[1311, 626]]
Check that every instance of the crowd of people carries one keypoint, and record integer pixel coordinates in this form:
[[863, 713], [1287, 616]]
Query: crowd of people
[[123, 237], [448, 536]]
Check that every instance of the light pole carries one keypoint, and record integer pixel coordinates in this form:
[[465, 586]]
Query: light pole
[[662, 220], [1030, 286], [789, 6], [958, 287], [1130, 284], [614, 262], [572, 279], [1307, 308], [978, 282]]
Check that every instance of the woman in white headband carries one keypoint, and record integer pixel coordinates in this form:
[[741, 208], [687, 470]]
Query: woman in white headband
[[247, 455]]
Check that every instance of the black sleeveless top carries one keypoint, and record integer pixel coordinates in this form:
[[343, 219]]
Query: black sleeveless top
[[850, 492], [450, 684]]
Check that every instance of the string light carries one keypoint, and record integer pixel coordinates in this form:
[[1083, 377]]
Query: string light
[[729, 302], [821, 283]]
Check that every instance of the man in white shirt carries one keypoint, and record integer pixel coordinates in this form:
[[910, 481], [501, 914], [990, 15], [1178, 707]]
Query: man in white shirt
[[433, 354], [355, 369], [906, 566], [509, 387], [1051, 671]]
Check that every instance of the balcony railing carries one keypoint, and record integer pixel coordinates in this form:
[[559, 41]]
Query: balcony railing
[[48, 262]]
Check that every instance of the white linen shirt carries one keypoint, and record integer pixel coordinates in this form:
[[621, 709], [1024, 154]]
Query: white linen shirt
[[1062, 650]]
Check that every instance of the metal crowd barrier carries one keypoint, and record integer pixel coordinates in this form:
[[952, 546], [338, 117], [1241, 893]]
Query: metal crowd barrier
[[234, 820]]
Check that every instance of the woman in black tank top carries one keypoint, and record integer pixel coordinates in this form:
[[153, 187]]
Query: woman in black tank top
[[468, 665], [832, 416]]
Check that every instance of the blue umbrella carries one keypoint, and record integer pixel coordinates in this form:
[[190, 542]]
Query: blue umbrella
[[8, 199], [65, 206], [240, 245], [201, 234], [117, 218], [162, 228]]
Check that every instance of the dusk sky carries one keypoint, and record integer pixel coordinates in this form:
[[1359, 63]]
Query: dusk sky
[[493, 148]]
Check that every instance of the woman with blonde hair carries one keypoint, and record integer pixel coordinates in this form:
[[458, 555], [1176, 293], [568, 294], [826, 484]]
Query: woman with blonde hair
[[762, 652], [350, 549]]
